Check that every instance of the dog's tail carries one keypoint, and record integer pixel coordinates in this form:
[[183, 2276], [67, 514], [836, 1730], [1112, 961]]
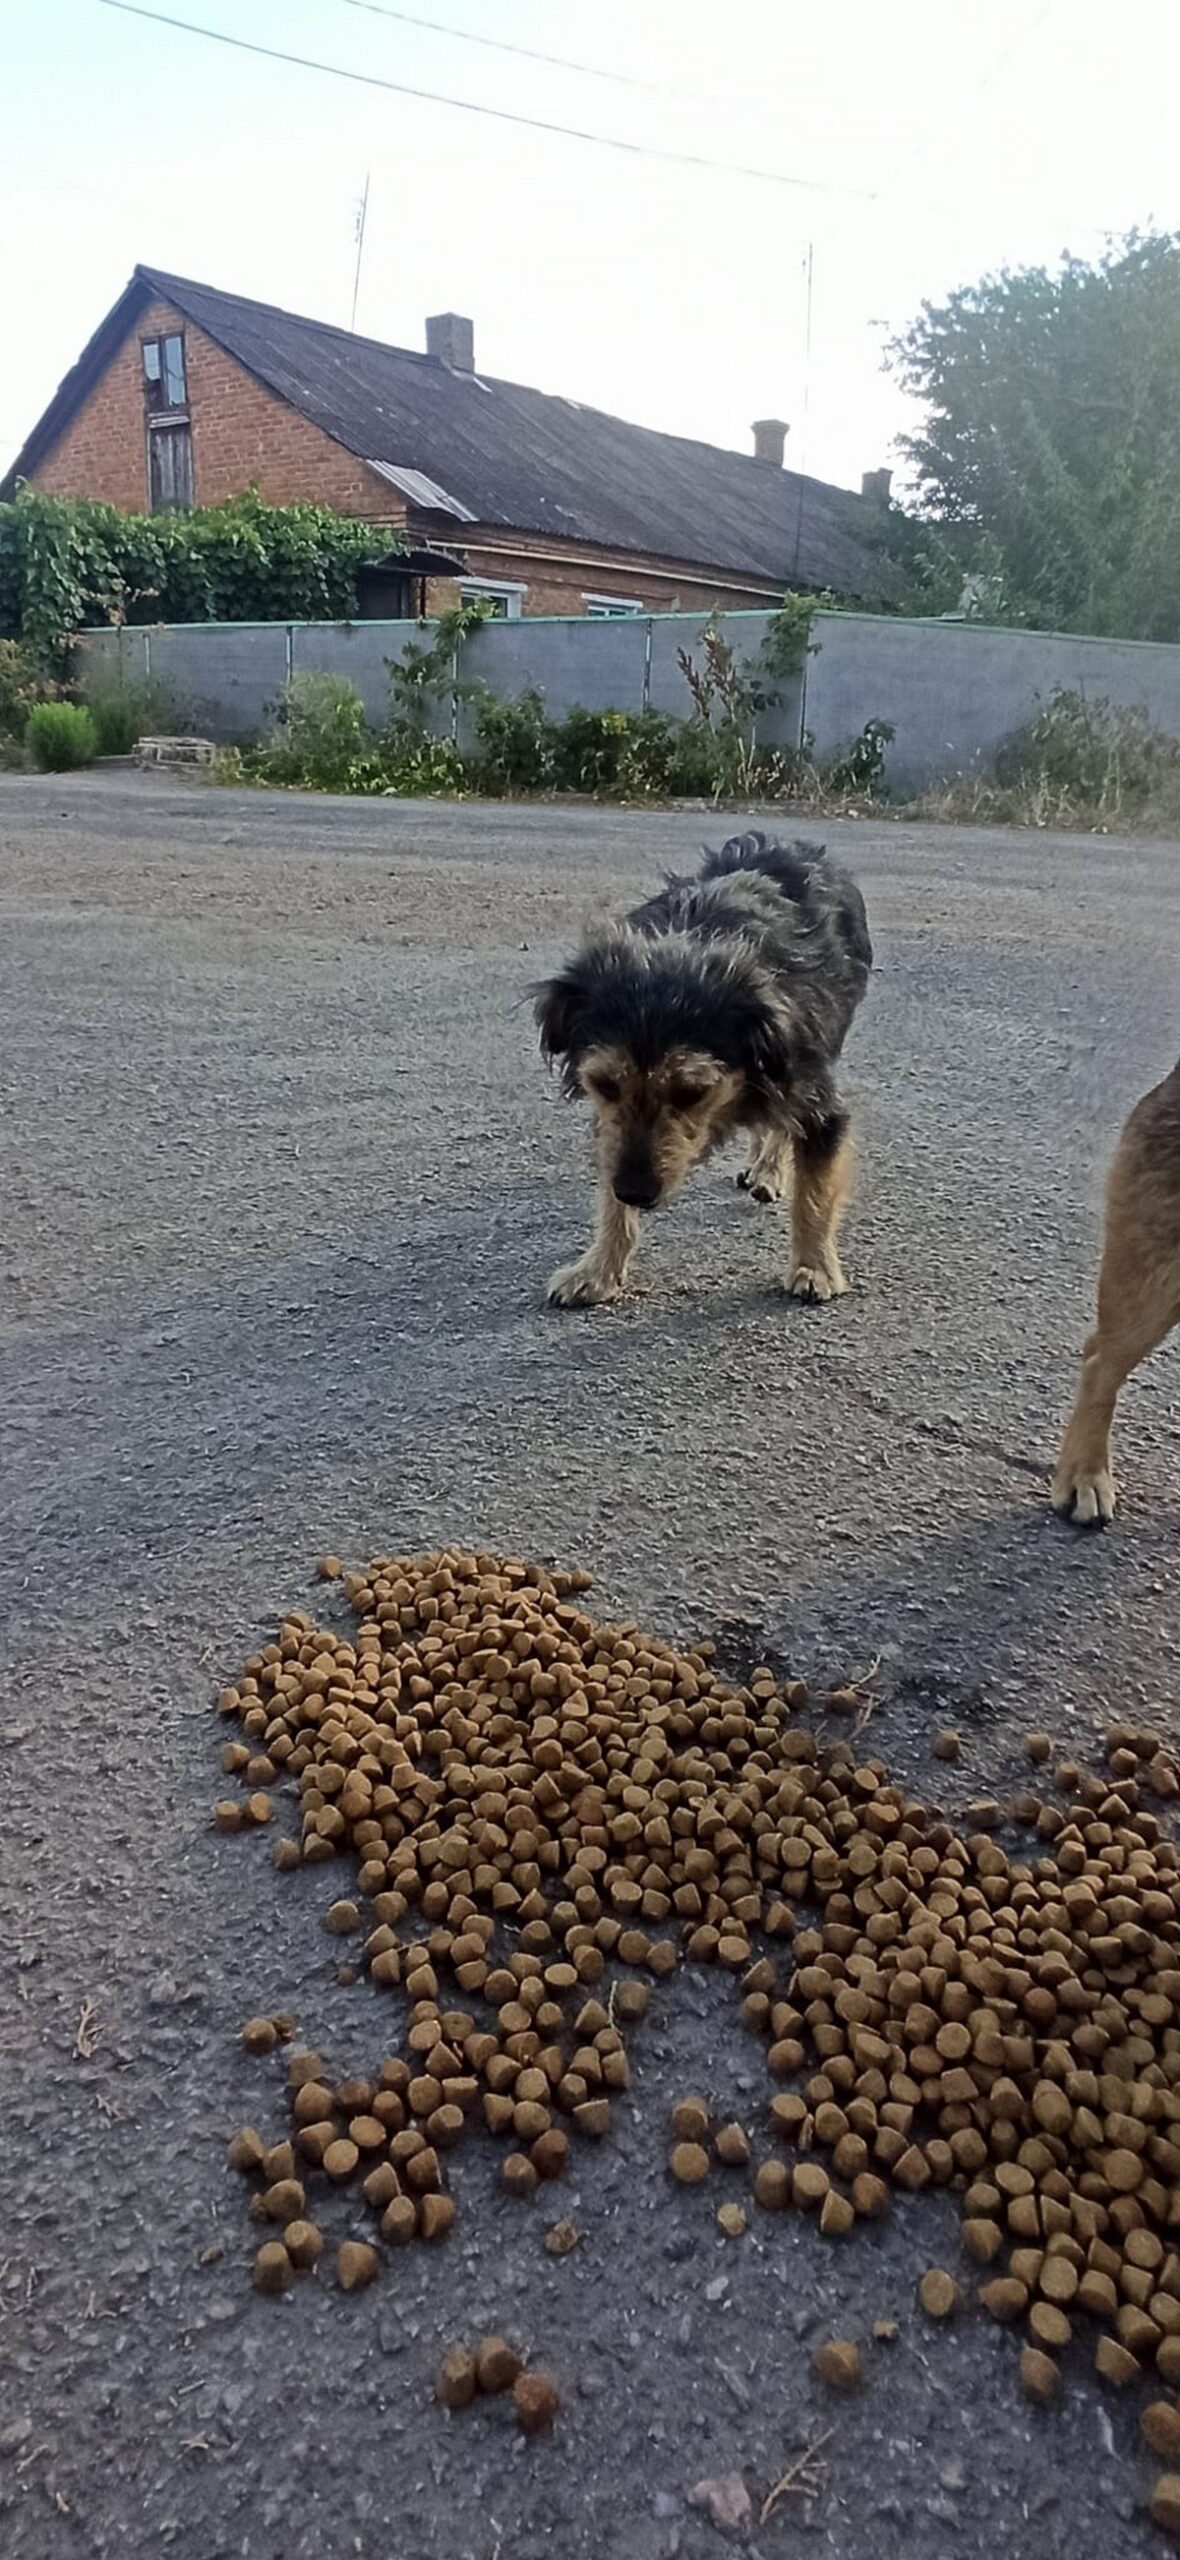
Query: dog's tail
[[790, 866]]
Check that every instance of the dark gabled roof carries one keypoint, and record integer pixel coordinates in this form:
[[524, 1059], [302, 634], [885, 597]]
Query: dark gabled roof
[[495, 453]]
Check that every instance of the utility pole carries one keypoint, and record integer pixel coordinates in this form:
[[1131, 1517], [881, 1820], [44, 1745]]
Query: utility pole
[[359, 233]]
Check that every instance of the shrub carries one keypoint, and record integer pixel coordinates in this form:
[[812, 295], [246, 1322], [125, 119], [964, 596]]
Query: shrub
[[128, 712], [323, 741], [60, 736], [422, 769], [21, 686], [589, 748], [514, 741]]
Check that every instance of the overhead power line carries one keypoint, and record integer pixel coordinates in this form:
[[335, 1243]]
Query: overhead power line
[[499, 115], [530, 53]]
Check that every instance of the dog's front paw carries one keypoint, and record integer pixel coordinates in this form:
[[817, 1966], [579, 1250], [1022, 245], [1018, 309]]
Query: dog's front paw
[[815, 1283], [580, 1285], [1086, 1500]]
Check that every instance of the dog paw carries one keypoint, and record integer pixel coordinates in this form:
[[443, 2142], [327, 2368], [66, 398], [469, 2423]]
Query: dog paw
[[765, 1188], [1086, 1500], [580, 1286], [816, 1283]]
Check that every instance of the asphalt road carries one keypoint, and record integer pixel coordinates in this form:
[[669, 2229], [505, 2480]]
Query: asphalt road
[[282, 1182]]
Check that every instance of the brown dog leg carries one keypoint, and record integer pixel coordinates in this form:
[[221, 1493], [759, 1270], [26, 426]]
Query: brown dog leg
[[823, 1179], [1138, 1298], [603, 1268]]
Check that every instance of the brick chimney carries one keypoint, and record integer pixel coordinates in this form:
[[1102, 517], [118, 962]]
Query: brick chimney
[[770, 436], [876, 484], [450, 339]]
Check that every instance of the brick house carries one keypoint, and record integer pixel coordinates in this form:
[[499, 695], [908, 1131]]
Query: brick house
[[185, 396]]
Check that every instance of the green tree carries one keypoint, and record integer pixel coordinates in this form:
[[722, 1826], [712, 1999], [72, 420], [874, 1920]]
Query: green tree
[[1050, 448]]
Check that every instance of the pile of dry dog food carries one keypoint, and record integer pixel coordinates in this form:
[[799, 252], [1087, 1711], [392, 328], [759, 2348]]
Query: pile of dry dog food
[[545, 1811]]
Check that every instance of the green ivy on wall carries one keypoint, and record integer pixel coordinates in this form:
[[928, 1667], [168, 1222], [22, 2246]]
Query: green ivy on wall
[[70, 563]]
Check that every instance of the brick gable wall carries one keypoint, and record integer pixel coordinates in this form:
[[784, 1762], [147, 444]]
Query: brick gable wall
[[243, 435]]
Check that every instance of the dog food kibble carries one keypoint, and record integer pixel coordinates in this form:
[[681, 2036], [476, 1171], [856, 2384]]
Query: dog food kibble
[[356, 2264], [837, 2363], [732, 2220], [732, 2146], [259, 2035], [535, 2403], [772, 2186], [947, 1744], [247, 2151], [535, 1818], [938, 2294], [1039, 2375], [496, 2364], [1005, 2298], [436, 2214], [1159, 2427], [1165, 2504], [458, 2380], [303, 2242], [561, 2239], [284, 2201], [273, 2271]]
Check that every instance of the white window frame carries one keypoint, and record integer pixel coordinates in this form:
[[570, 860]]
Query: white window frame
[[498, 590], [600, 608]]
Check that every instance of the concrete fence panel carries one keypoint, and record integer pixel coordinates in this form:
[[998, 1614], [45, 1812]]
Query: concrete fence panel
[[955, 690], [952, 691], [598, 665]]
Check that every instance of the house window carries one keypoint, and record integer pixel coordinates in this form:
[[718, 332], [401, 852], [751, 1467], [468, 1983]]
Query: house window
[[505, 601], [169, 434], [611, 608], [165, 389]]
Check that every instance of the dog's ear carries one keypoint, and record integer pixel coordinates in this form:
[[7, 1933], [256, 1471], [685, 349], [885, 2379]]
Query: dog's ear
[[559, 1010]]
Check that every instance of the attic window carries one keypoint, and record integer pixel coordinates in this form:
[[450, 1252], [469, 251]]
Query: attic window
[[165, 387]]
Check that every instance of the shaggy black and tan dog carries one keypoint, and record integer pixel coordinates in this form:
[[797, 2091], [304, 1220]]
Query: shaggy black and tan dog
[[1138, 1296], [722, 1004]]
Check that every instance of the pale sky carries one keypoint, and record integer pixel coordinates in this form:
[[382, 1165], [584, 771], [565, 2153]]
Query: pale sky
[[941, 138]]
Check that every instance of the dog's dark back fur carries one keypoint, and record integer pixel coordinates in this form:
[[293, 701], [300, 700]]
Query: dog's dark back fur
[[761, 961]]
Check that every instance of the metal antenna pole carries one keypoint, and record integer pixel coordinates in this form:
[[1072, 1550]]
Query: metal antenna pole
[[361, 212]]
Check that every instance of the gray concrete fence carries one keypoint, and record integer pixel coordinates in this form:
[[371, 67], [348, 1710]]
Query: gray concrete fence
[[952, 691]]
